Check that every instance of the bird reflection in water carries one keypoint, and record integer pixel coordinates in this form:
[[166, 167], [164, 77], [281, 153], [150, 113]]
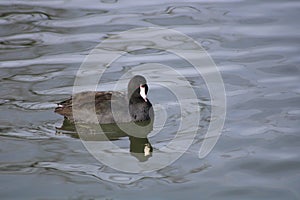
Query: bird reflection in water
[[139, 147]]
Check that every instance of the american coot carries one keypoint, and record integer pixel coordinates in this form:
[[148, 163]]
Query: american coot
[[135, 107]]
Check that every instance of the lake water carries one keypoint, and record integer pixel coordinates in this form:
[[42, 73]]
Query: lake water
[[255, 45]]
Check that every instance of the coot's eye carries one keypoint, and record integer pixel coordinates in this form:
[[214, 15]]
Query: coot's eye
[[143, 85]]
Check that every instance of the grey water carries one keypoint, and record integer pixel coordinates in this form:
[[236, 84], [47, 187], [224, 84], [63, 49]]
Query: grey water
[[255, 45]]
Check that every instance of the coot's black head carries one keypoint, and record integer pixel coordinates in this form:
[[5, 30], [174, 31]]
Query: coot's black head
[[138, 88]]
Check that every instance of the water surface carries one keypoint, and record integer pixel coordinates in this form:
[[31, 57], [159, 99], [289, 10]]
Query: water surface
[[256, 47]]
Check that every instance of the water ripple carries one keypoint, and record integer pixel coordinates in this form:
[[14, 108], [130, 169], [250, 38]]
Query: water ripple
[[95, 171], [15, 17]]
